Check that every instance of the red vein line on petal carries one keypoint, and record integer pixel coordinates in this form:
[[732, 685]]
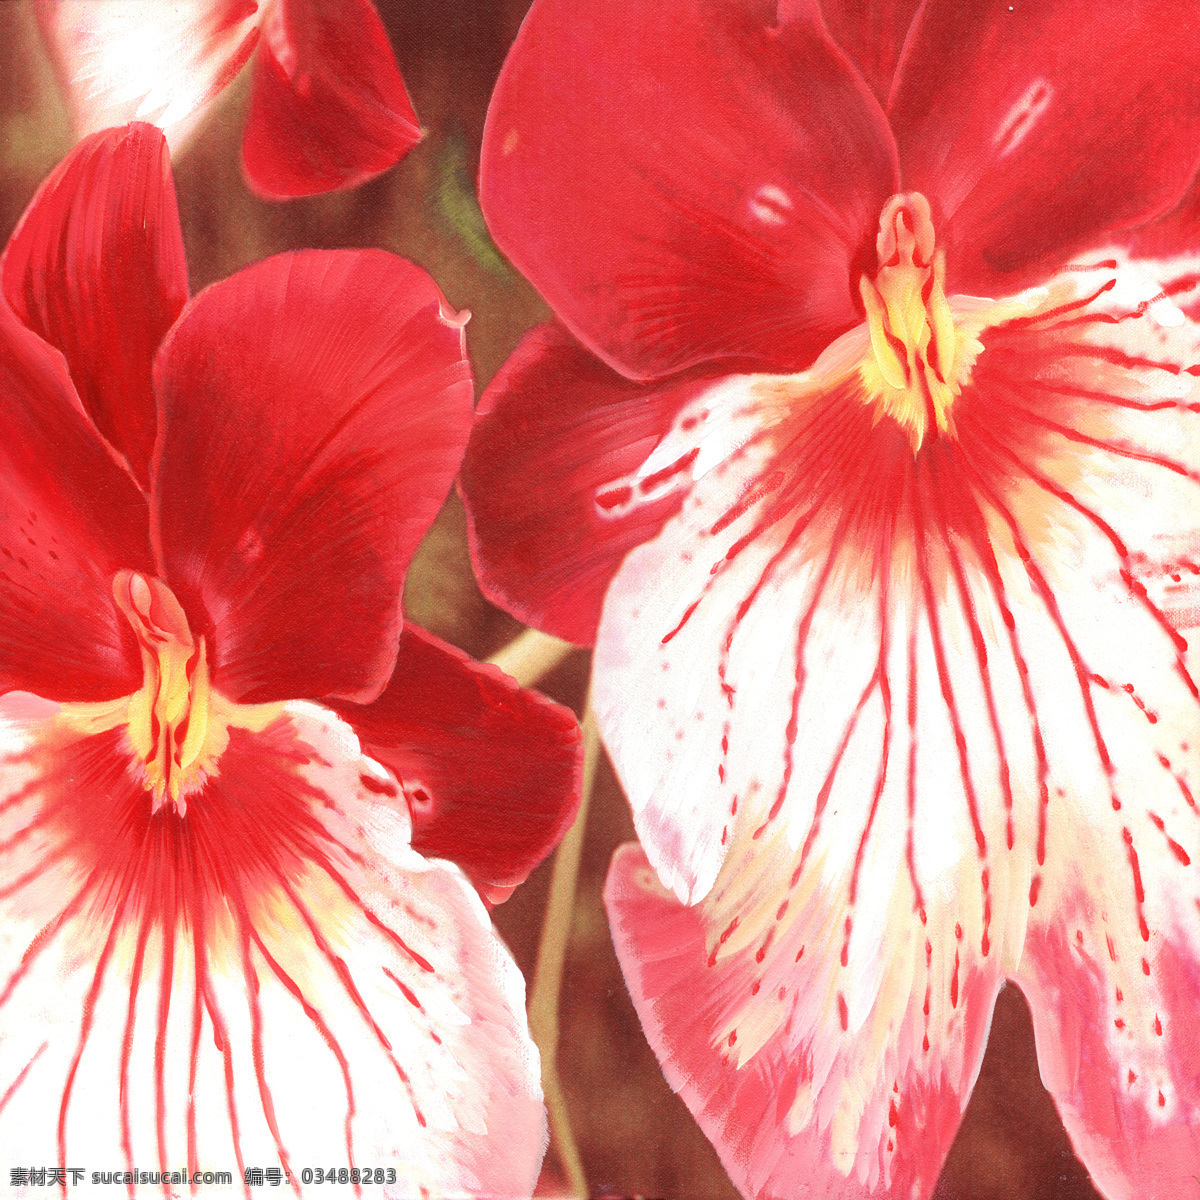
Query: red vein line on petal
[[22, 1075], [322, 1028]]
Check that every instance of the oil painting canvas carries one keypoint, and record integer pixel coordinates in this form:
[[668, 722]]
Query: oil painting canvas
[[599, 600]]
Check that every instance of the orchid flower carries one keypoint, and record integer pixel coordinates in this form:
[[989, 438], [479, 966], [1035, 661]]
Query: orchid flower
[[328, 108], [874, 477], [230, 775]]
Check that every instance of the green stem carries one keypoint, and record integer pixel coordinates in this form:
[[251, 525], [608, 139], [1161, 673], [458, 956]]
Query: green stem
[[548, 971]]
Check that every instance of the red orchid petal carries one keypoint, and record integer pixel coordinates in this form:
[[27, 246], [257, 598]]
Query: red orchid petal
[[121, 62], [847, 683], [1035, 129], [724, 176], [811, 1072], [70, 518], [329, 109], [276, 979], [315, 407], [872, 33], [491, 771], [1175, 233], [551, 509], [96, 267]]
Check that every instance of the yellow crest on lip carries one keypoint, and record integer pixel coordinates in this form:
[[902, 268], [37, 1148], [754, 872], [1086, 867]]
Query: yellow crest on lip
[[168, 718], [910, 376]]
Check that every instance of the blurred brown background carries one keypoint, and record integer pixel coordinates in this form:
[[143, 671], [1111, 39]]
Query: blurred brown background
[[635, 1137]]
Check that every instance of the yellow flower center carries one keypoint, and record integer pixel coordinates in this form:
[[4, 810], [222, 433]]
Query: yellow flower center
[[919, 360], [177, 722]]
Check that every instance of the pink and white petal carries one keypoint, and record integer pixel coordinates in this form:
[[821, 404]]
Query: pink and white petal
[[97, 268], [70, 518], [161, 63], [328, 109], [550, 480], [314, 410], [718, 217], [277, 979], [1035, 131], [846, 683], [1112, 957], [805, 1082], [1120, 1059], [491, 771], [871, 33]]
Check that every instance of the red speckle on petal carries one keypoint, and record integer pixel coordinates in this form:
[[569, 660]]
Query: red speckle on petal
[[843, 1012], [1035, 886], [1157, 1025], [1162, 1100]]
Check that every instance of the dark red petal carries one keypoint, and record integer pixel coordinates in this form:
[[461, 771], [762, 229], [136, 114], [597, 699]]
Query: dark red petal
[[315, 408], [97, 268], [1034, 129], [872, 32], [491, 771], [685, 182], [549, 516], [329, 109], [70, 517]]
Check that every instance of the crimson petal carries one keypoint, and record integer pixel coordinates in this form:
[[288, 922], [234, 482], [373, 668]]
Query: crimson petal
[[550, 511], [315, 407], [872, 33], [329, 109], [70, 517], [1034, 129], [725, 173], [491, 771], [97, 268]]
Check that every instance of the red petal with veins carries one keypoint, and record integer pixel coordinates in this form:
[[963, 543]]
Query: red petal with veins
[[276, 978], [96, 267], [329, 109], [548, 480], [491, 772], [1036, 129], [70, 517], [872, 33], [314, 411], [162, 63], [725, 174]]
